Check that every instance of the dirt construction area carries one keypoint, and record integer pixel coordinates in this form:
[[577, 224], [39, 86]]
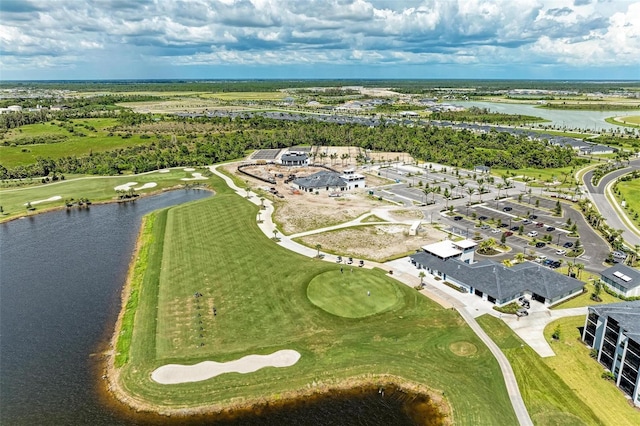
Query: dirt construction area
[[297, 211]]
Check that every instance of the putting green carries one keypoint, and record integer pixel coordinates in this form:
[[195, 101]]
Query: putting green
[[352, 293]]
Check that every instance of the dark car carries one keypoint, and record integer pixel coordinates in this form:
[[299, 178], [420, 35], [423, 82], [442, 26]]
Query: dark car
[[457, 218], [508, 234], [483, 218], [540, 244], [539, 225], [533, 216], [547, 262], [507, 209], [555, 264], [567, 244], [515, 228], [550, 228], [503, 225]]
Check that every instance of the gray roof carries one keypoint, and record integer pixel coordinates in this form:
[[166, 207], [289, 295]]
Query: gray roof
[[626, 313], [322, 179], [622, 270], [293, 157], [501, 282]]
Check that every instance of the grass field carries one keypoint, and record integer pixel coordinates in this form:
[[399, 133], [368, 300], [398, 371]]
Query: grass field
[[260, 292], [95, 188], [246, 96], [74, 145], [630, 192], [549, 400], [540, 175], [582, 374]]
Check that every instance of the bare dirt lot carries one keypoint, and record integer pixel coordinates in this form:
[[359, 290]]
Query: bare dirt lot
[[302, 211], [374, 242]]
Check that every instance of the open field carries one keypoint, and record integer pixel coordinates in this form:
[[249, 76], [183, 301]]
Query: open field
[[583, 375], [246, 96], [541, 176], [549, 400], [630, 192], [260, 292], [95, 188], [74, 144]]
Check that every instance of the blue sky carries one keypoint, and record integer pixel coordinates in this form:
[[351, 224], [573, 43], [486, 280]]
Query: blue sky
[[243, 39]]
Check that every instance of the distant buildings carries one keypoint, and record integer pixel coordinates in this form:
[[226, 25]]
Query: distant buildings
[[613, 331]]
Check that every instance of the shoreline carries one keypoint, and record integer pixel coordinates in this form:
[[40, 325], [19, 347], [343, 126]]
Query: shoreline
[[101, 202], [114, 393]]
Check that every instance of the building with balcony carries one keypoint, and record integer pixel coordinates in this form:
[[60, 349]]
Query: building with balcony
[[613, 331]]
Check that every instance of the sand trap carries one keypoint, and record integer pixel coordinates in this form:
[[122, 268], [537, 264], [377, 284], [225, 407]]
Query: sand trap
[[146, 185], [164, 171], [189, 169], [175, 373], [54, 198], [125, 186], [196, 176]]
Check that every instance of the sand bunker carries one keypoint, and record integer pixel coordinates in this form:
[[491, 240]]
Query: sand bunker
[[175, 373], [54, 198], [146, 186], [164, 171], [125, 186], [196, 176], [189, 169]]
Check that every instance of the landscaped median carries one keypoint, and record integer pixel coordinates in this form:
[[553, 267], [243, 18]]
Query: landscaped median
[[268, 299]]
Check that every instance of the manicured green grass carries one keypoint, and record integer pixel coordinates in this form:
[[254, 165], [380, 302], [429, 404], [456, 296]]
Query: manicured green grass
[[630, 192], [353, 293], [585, 298], [540, 175], [246, 96], [549, 400], [629, 121], [583, 375], [95, 188], [214, 247], [75, 145]]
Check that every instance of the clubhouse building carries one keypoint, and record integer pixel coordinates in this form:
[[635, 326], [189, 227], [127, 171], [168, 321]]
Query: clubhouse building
[[613, 330], [453, 262], [330, 181]]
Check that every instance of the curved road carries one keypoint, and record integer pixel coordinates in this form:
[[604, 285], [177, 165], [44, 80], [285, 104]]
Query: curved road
[[267, 226], [609, 212]]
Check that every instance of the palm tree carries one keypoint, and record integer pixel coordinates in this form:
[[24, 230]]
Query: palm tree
[[519, 257], [499, 187], [481, 190], [275, 234], [262, 203], [461, 184], [318, 247], [580, 268], [422, 275], [470, 191]]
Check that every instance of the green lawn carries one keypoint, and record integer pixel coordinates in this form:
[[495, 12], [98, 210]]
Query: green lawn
[[74, 145], [540, 176], [259, 289], [246, 96], [582, 374], [549, 400], [630, 192], [352, 293], [95, 188]]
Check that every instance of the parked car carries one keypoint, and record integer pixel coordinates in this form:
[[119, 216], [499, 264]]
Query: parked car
[[561, 252], [533, 216], [483, 218], [495, 231], [550, 228], [503, 225], [457, 218], [568, 244], [539, 225], [507, 209], [515, 228], [532, 234], [485, 227], [339, 259], [526, 222], [522, 312], [547, 262], [555, 265], [361, 263], [350, 261], [619, 255], [540, 244], [508, 234]]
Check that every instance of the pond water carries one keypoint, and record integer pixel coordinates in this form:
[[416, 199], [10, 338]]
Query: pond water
[[61, 274], [571, 119]]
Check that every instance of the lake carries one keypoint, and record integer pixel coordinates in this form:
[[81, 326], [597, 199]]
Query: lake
[[61, 275], [576, 119]]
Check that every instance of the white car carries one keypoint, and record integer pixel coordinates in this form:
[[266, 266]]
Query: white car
[[532, 234], [561, 252], [495, 231]]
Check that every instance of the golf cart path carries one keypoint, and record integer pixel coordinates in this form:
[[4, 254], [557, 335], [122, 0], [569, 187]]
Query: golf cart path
[[268, 227]]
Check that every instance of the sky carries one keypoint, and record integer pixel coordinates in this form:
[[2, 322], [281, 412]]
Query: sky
[[319, 39]]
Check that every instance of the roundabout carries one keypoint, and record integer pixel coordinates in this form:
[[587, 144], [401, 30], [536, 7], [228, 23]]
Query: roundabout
[[353, 293]]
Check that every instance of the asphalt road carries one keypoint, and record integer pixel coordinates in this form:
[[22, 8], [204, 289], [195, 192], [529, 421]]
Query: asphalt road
[[597, 195]]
